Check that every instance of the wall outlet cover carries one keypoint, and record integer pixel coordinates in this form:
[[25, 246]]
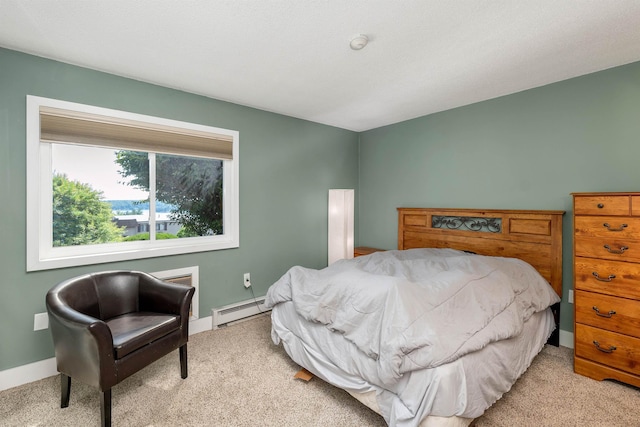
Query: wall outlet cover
[[40, 321]]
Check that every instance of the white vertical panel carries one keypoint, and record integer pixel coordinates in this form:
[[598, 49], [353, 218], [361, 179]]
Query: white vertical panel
[[341, 213], [194, 273]]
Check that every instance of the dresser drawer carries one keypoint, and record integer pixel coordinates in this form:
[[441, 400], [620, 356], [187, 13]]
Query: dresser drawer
[[611, 313], [635, 205], [607, 277], [602, 205], [607, 226], [607, 248], [609, 348]]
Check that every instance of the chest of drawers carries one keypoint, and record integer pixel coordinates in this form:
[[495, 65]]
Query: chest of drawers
[[606, 270]]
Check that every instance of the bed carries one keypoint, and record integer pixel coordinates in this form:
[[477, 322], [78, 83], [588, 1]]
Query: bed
[[433, 333]]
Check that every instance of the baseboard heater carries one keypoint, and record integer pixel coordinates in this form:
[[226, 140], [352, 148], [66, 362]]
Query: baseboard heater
[[241, 310]]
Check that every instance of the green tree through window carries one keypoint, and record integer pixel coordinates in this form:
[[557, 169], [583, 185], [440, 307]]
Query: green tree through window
[[193, 185], [79, 216]]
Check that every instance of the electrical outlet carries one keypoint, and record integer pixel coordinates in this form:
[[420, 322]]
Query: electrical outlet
[[40, 321], [247, 280], [570, 296]]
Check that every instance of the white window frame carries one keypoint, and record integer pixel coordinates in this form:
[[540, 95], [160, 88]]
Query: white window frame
[[41, 255]]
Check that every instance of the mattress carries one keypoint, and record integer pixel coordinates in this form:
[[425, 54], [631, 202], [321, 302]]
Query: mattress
[[452, 394]]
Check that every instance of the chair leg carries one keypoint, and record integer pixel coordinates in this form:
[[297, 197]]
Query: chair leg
[[105, 408], [183, 361], [65, 390]]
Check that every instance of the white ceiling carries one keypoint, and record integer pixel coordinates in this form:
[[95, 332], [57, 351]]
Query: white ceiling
[[293, 57]]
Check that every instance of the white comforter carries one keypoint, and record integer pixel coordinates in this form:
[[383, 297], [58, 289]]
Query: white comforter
[[416, 309]]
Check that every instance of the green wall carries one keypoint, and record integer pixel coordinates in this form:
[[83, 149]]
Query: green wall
[[287, 166], [528, 150]]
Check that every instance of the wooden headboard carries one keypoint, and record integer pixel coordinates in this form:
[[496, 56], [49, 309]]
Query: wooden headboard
[[534, 236]]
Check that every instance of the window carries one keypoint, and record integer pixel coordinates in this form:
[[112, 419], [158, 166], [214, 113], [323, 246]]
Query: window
[[106, 185]]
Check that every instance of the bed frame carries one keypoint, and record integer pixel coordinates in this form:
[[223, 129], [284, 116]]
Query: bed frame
[[534, 236]]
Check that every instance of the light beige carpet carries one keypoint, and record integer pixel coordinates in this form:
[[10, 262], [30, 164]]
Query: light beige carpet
[[237, 377]]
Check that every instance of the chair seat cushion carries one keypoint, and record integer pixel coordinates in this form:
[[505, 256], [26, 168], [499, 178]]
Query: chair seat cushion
[[134, 330]]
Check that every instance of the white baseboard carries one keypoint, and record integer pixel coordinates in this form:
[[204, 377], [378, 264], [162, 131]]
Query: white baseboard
[[28, 373], [200, 325], [36, 371], [566, 339]]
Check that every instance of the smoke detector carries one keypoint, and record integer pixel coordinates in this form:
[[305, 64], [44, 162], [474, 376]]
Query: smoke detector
[[358, 42]]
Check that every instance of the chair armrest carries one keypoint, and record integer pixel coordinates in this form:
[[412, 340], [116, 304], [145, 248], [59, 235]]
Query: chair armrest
[[164, 297], [83, 344]]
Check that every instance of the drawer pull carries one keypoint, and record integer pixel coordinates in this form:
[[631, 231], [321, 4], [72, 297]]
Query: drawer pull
[[608, 227], [602, 279], [600, 206], [607, 315], [616, 251], [604, 350]]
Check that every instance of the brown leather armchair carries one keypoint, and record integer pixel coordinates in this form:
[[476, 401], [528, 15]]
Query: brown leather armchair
[[107, 326]]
